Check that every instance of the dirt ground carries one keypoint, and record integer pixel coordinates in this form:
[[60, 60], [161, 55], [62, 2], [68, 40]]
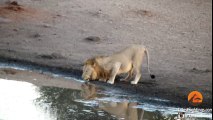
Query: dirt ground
[[178, 34]]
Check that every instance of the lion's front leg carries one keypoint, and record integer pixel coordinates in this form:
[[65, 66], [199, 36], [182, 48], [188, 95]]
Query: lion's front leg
[[115, 70]]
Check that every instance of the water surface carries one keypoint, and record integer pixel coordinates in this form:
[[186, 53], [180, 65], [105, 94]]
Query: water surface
[[25, 101]]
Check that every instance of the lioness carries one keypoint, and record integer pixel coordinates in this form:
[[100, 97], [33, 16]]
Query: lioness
[[106, 68]]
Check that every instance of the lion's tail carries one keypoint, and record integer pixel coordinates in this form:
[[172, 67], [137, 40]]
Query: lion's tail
[[147, 56]]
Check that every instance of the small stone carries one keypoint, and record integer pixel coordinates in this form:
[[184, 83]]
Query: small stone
[[16, 30], [15, 3], [93, 39], [37, 35]]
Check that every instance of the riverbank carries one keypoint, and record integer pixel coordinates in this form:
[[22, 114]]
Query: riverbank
[[177, 33], [144, 89]]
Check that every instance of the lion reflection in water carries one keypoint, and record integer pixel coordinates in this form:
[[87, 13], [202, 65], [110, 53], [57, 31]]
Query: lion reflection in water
[[122, 110]]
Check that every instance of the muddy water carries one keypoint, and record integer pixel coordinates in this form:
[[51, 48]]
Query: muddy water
[[31, 95]]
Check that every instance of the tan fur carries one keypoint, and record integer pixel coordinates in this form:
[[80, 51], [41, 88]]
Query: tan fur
[[106, 68]]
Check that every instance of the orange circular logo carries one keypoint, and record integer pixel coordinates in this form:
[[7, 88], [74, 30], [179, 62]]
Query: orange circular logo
[[195, 98]]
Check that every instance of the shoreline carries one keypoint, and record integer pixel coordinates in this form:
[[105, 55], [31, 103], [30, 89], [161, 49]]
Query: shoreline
[[145, 89]]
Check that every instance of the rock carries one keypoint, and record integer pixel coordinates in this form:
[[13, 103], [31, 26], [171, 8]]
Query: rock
[[37, 35], [92, 39], [51, 56], [47, 26], [16, 30], [15, 3], [9, 71], [198, 71], [14, 6]]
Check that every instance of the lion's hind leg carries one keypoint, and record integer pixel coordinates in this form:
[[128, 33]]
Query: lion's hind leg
[[137, 68]]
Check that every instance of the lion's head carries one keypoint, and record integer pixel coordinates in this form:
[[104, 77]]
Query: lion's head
[[93, 71], [89, 72]]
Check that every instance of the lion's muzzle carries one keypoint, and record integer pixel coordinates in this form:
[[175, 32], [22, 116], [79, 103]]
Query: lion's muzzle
[[86, 77]]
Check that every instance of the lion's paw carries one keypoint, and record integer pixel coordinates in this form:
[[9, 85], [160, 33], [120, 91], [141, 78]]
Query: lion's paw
[[110, 82], [133, 82]]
